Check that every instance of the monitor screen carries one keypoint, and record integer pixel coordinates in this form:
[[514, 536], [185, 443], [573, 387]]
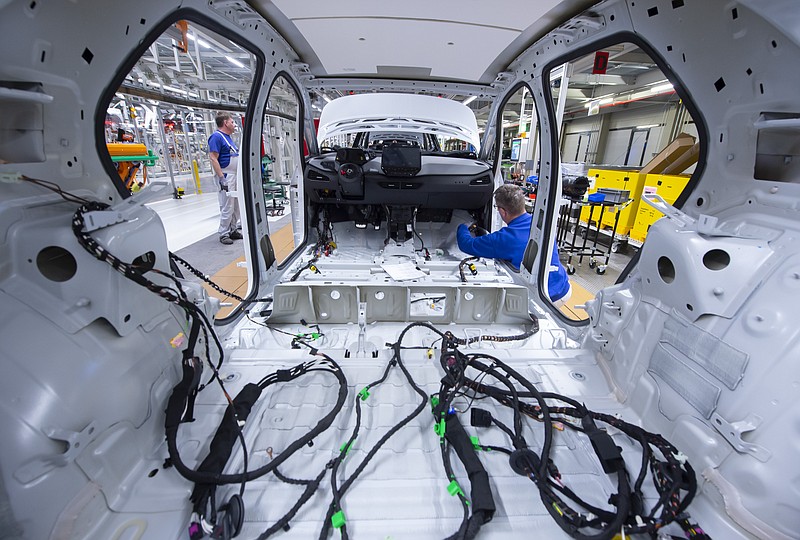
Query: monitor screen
[[515, 146], [401, 160]]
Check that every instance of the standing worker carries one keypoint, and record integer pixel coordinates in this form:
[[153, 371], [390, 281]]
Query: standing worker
[[224, 160]]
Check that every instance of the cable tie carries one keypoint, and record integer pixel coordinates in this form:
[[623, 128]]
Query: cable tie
[[364, 393], [346, 447], [476, 443]]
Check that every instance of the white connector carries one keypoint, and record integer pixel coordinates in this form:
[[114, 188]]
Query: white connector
[[8, 177], [100, 219]]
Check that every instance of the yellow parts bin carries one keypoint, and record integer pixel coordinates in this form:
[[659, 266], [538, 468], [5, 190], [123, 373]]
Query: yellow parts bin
[[668, 186], [629, 180]]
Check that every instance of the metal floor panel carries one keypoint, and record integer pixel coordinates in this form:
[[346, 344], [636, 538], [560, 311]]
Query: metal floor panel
[[402, 493]]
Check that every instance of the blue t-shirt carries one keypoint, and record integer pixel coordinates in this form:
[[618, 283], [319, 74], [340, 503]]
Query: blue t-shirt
[[223, 145], [508, 244]]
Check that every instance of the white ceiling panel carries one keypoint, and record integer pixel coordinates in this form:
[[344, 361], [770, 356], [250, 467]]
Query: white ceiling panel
[[506, 14], [358, 46], [355, 37]]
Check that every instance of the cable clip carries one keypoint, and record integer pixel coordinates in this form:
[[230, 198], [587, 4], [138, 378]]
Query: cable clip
[[440, 427], [338, 520], [346, 447], [680, 457], [364, 393]]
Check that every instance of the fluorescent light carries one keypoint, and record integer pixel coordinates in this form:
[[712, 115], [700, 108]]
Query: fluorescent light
[[648, 126], [234, 61], [315, 107], [661, 88], [605, 100], [469, 100], [326, 98], [173, 89], [200, 42]]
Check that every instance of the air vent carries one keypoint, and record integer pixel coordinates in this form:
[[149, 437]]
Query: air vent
[[482, 181], [314, 175]]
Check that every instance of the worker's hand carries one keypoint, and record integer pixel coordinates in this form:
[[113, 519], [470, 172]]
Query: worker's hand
[[222, 185], [472, 228]]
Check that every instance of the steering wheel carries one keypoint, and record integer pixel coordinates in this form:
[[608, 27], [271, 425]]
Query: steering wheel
[[351, 181]]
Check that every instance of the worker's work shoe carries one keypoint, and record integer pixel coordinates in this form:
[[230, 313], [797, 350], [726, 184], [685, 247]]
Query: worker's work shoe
[[236, 235], [225, 240]]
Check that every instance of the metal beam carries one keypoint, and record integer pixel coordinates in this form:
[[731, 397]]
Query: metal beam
[[401, 85], [166, 98]]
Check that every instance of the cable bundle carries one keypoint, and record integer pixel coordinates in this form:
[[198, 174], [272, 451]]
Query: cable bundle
[[672, 476]]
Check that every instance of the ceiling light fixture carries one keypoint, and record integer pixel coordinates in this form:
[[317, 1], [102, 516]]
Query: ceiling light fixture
[[661, 88], [469, 100], [326, 98], [234, 61], [200, 42]]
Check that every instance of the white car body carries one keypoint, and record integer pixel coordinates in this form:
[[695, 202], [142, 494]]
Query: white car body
[[704, 354]]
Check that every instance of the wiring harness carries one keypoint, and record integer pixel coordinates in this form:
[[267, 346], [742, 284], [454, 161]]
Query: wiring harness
[[672, 476], [180, 406], [323, 248], [470, 264], [465, 376]]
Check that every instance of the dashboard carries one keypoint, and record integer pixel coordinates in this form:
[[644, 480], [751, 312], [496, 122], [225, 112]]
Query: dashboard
[[352, 176]]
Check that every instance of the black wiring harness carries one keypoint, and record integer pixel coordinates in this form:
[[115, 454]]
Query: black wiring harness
[[672, 476], [208, 476], [180, 406], [335, 516], [470, 264], [322, 248]]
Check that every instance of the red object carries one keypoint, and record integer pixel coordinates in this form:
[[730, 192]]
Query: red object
[[600, 63]]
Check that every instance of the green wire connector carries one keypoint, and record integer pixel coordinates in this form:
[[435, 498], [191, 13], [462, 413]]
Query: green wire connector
[[346, 447], [337, 520], [434, 402], [476, 444], [455, 489], [315, 335], [364, 393], [440, 427]]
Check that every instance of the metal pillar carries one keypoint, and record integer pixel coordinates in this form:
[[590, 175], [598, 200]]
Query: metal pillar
[[186, 144], [165, 147]]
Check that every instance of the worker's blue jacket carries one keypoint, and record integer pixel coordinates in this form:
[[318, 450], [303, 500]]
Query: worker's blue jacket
[[508, 244]]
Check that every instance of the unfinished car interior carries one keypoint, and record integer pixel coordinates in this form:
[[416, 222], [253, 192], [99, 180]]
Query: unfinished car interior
[[257, 277]]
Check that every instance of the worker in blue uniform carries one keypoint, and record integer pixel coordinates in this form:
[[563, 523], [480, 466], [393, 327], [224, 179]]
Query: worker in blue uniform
[[224, 157], [509, 243]]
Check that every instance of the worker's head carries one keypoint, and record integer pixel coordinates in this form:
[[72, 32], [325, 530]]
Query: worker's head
[[510, 202], [225, 122]]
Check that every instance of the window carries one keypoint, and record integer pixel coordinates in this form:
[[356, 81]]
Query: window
[[624, 133], [157, 131]]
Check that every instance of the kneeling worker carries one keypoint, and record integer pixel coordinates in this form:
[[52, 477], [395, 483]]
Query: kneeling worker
[[508, 244]]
